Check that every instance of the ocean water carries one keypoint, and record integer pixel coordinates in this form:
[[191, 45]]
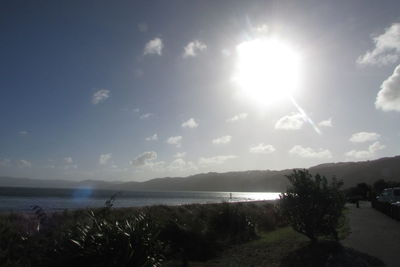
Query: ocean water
[[56, 199]]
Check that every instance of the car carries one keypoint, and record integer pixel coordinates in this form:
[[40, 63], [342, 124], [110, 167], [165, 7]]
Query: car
[[389, 195]]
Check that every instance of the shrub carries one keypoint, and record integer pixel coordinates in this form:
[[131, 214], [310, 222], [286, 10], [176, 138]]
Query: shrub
[[103, 242], [312, 206], [231, 224]]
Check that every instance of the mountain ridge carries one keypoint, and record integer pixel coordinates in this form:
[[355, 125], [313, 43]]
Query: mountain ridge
[[351, 173]]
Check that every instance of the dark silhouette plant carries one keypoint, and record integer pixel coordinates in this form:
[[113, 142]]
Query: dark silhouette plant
[[312, 206]]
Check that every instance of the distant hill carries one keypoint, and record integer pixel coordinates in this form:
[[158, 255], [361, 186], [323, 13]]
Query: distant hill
[[262, 180]]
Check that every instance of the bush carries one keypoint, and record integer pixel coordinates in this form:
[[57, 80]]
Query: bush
[[105, 242], [231, 224], [312, 206]]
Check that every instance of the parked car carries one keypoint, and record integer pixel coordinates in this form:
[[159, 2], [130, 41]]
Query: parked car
[[389, 195]]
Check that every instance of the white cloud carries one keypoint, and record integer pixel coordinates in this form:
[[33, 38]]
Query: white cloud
[[386, 50], [262, 149], [68, 160], [370, 152], [222, 140], [216, 160], [180, 155], [104, 158], [100, 96], [23, 132], [238, 117], [175, 140], [193, 48], [146, 116], [362, 137], [180, 164], [143, 27], [5, 162], [388, 98], [308, 152], [190, 123], [24, 163], [144, 159], [153, 47], [290, 122], [326, 123], [153, 137], [136, 110]]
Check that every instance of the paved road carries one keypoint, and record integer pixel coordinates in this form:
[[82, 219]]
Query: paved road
[[374, 233]]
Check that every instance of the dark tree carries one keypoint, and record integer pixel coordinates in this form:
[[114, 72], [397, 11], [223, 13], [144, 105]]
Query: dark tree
[[312, 206]]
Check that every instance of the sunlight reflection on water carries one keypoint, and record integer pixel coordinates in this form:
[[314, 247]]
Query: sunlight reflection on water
[[60, 199]]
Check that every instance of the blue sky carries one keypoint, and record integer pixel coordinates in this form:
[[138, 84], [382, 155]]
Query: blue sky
[[132, 90]]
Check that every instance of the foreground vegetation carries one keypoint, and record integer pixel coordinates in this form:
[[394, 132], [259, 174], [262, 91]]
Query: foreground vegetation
[[225, 234], [146, 236]]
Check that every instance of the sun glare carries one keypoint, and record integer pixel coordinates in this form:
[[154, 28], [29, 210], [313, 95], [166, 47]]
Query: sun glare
[[267, 70]]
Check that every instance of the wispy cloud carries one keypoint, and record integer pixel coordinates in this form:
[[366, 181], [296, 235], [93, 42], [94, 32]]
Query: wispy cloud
[[308, 152], [104, 158], [262, 149], [180, 155], [100, 96], [22, 163], [5, 162], [144, 159], [362, 137], [294, 121], [190, 123], [388, 98], [238, 117], [181, 165], [386, 50], [153, 137], [370, 152], [326, 123], [23, 133], [153, 47], [226, 139], [216, 160], [68, 160], [175, 140], [145, 116], [193, 48]]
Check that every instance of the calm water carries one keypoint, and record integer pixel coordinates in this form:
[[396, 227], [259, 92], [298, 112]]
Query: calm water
[[21, 199]]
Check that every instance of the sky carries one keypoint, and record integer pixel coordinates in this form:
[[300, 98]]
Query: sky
[[133, 90]]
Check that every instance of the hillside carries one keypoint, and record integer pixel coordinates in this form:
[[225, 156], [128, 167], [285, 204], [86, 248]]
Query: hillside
[[258, 180]]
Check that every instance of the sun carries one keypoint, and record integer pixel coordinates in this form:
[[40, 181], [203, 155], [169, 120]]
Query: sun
[[267, 70]]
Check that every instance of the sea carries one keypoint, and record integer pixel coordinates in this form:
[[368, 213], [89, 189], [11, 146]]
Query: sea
[[20, 199]]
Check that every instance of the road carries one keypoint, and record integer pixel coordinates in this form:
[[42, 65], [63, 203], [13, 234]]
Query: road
[[374, 233]]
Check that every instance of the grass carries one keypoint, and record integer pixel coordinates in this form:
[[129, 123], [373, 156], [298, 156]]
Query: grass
[[284, 247], [267, 250]]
